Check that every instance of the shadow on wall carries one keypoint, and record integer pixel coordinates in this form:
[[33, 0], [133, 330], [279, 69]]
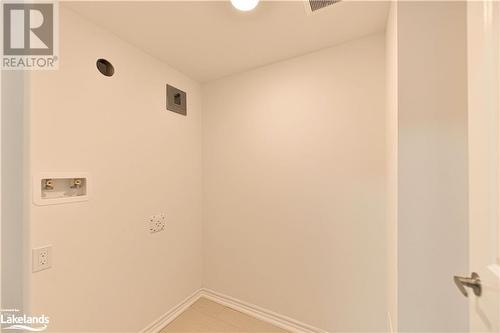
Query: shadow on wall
[[13, 133]]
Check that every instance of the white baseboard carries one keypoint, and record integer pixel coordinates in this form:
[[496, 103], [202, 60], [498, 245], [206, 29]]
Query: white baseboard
[[173, 313], [255, 311]]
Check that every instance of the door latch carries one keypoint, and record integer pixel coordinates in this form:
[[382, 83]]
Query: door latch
[[473, 282]]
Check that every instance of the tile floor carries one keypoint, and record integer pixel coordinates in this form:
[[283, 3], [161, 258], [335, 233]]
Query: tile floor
[[207, 316]]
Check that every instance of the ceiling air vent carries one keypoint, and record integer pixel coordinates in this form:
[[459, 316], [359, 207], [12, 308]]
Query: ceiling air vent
[[314, 5]]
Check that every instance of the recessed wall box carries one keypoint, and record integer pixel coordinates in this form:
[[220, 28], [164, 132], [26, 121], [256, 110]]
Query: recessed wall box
[[59, 188], [176, 100]]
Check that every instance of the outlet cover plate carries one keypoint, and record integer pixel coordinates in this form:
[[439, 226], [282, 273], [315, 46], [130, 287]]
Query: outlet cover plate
[[42, 258], [156, 223]]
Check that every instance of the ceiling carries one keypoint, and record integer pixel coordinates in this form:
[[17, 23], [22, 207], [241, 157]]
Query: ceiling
[[207, 40]]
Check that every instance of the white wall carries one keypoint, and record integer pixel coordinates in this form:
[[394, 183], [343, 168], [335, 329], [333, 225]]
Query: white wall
[[109, 273], [294, 187], [391, 141], [13, 131], [432, 171]]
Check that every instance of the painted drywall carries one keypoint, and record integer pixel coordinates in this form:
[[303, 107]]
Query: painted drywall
[[432, 159], [248, 40], [13, 140], [391, 142], [294, 187], [109, 273]]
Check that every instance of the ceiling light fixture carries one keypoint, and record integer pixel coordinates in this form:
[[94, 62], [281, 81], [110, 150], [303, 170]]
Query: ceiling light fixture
[[244, 5]]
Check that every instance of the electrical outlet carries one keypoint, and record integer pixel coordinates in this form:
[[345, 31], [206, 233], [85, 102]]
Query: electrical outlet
[[157, 223], [42, 258]]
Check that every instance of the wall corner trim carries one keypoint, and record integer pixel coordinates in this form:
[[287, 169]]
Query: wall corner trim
[[255, 311]]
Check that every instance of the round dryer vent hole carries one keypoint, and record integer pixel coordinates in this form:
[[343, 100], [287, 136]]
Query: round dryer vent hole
[[105, 67]]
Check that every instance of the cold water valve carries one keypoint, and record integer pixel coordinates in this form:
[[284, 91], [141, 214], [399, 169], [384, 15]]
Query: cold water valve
[[76, 183]]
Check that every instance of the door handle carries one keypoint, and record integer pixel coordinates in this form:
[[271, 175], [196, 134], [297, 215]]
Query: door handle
[[473, 282]]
